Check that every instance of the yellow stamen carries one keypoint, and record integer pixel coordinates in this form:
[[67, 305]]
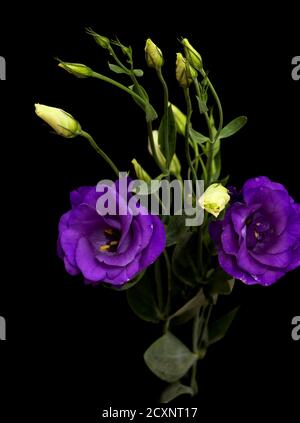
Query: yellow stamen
[[256, 234], [114, 243], [109, 231], [104, 247]]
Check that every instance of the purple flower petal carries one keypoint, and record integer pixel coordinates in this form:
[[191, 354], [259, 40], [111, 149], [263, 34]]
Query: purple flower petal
[[259, 239], [112, 248]]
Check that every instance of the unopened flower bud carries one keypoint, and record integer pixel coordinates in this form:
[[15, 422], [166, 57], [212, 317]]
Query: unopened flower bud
[[153, 55], [100, 39], [76, 69], [180, 119], [185, 73], [140, 172], [62, 122], [192, 55], [214, 199], [175, 166]]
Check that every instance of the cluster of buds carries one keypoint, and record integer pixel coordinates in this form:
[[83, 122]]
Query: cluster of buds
[[186, 67]]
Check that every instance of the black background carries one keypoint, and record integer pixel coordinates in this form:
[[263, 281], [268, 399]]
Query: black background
[[71, 349]]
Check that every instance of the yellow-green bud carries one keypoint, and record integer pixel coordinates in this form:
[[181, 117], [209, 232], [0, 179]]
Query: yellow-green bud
[[77, 69], [140, 172], [62, 122], [153, 55], [214, 199], [192, 55], [100, 39], [180, 119], [185, 73], [175, 167]]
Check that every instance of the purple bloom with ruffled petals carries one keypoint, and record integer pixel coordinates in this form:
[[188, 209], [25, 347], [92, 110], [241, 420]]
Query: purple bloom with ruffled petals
[[259, 239], [110, 248]]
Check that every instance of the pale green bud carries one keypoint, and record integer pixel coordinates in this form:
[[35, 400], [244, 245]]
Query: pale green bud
[[192, 55], [62, 122], [180, 119], [77, 69], [100, 39], [185, 73], [175, 166], [153, 55], [214, 199], [140, 172]]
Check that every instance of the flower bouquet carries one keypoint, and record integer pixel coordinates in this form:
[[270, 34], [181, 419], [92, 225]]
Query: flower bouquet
[[177, 240]]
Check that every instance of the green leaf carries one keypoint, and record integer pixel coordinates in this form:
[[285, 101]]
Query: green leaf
[[198, 137], [176, 229], [217, 330], [141, 299], [168, 358], [234, 126], [138, 72], [175, 390], [151, 114], [189, 309], [117, 69], [167, 136], [141, 89], [202, 104], [220, 282]]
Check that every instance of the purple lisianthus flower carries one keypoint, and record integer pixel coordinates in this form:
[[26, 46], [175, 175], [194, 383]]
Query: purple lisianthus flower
[[259, 239], [112, 248]]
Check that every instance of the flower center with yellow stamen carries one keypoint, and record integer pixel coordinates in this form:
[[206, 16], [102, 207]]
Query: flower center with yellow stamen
[[113, 237]]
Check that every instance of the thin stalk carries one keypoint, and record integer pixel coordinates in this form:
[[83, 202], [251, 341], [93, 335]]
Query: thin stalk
[[196, 322], [187, 132], [117, 84], [219, 105], [169, 281], [96, 147], [159, 290], [166, 106]]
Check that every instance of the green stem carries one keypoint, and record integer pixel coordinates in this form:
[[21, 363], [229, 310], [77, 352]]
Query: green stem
[[211, 138], [204, 326], [197, 87], [166, 106], [196, 322], [117, 84], [187, 132], [118, 61], [159, 291], [169, 280], [196, 150], [100, 151], [219, 105], [200, 250]]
